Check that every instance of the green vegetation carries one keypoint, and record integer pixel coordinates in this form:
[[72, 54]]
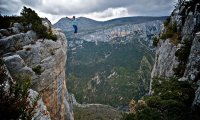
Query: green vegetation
[[145, 113], [171, 100], [108, 73], [34, 22], [14, 100], [51, 36], [6, 21], [171, 32], [37, 69], [167, 22], [155, 41], [182, 54], [179, 70], [168, 30], [31, 21], [96, 112]]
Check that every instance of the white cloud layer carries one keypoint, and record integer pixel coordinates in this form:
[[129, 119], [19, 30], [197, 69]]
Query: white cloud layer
[[109, 13]]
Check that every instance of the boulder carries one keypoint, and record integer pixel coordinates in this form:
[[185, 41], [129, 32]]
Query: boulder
[[18, 26], [4, 32], [15, 30], [16, 42], [14, 63]]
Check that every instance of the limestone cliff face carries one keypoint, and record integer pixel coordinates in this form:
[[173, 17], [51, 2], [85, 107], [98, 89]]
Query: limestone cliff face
[[165, 59], [143, 31], [186, 16], [44, 60]]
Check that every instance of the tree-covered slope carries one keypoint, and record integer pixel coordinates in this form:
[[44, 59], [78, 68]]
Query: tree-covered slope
[[109, 73]]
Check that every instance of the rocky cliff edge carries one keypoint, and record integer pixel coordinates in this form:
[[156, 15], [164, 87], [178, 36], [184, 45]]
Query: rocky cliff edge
[[178, 54], [44, 60]]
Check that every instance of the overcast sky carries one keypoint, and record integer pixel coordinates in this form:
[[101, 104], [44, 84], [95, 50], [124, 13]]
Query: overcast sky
[[95, 9]]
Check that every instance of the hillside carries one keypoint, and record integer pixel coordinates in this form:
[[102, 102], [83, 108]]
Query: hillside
[[101, 73], [109, 67]]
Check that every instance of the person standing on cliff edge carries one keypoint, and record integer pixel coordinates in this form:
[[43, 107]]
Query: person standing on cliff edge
[[74, 24]]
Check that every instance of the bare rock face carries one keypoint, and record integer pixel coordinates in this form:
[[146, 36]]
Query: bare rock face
[[192, 71], [44, 60], [40, 111], [165, 60]]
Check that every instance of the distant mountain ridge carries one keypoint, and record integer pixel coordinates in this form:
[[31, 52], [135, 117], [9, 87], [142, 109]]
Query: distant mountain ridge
[[90, 24], [134, 20]]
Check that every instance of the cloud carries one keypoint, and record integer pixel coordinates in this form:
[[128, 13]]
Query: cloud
[[95, 8], [110, 12], [63, 7], [69, 7]]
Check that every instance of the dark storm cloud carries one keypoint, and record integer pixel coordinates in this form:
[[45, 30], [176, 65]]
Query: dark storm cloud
[[153, 7], [8, 7], [32, 3]]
